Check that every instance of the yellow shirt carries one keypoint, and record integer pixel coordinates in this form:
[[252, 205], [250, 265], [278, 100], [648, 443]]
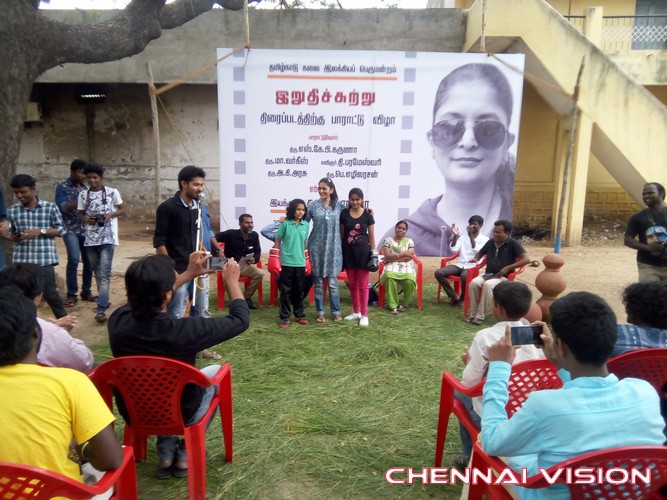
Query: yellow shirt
[[41, 410]]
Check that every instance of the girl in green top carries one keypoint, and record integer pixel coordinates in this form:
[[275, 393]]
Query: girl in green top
[[291, 240]]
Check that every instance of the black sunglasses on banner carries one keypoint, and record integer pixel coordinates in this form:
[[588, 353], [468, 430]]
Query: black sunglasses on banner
[[488, 134]]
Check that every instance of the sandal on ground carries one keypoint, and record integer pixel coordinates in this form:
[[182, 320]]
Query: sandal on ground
[[70, 301], [401, 309], [337, 317], [283, 324], [321, 319], [206, 354], [476, 321], [468, 318], [394, 311], [303, 321]]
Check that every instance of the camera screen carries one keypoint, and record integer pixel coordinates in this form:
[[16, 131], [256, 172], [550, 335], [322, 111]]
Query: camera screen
[[523, 335]]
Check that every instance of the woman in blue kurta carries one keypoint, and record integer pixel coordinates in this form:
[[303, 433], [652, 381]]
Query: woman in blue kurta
[[324, 245]]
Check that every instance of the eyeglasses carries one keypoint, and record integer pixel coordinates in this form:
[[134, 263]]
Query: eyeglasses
[[447, 133]]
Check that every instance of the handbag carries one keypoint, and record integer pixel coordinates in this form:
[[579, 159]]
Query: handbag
[[373, 262]]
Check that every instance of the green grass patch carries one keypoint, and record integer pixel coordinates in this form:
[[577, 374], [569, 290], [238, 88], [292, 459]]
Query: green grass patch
[[322, 411]]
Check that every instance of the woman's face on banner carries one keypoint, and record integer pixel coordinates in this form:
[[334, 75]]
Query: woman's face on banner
[[474, 121]]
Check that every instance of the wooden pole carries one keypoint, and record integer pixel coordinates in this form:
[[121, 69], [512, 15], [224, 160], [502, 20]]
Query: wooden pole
[[156, 134], [568, 156]]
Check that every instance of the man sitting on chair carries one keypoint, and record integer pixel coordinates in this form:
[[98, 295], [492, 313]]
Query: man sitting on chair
[[242, 245], [594, 410], [467, 246], [44, 409], [503, 255], [145, 327], [511, 302]]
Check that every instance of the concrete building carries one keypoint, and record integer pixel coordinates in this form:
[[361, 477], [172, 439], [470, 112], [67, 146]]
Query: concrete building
[[619, 145]]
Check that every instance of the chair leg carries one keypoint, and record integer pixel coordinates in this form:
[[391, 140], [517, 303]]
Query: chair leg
[[446, 401], [273, 290], [126, 486], [195, 448], [225, 406], [137, 441], [437, 299]]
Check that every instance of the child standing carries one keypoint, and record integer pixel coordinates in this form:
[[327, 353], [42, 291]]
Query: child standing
[[291, 240], [357, 232]]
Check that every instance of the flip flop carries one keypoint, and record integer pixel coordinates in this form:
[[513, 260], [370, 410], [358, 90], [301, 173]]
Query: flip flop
[[338, 317], [321, 319], [476, 321]]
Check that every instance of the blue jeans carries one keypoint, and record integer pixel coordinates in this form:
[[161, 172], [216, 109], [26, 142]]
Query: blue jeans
[[75, 252], [172, 447], [466, 438], [334, 295], [201, 304], [179, 301], [100, 257]]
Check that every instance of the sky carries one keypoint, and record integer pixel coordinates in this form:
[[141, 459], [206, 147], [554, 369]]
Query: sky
[[111, 4]]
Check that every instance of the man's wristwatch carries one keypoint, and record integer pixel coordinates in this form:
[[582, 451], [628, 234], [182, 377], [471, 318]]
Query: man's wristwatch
[[43, 231]]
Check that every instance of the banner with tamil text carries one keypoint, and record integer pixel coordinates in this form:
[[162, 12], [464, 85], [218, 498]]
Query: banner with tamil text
[[428, 137]]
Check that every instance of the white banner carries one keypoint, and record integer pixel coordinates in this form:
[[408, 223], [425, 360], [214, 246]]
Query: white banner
[[371, 119]]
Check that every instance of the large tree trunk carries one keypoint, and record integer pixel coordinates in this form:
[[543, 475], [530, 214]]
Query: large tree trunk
[[30, 44]]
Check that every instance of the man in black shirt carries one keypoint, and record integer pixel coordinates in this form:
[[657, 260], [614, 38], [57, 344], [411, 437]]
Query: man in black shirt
[[176, 222], [144, 327], [242, 245], [503, 256], [650, 227]]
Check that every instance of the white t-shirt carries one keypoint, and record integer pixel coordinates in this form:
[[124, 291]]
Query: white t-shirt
[[96, 203], [476, 369], [467, 251]]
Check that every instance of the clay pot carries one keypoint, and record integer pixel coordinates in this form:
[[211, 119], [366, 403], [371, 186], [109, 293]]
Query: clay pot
[[550, 282], [534, 313]]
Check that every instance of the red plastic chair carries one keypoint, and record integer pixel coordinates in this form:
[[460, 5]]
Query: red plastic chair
[[638, 457], [243, 279], [472, 273], [646, 364], [420, 283], [151, 389], [526, 377], [24, 481]]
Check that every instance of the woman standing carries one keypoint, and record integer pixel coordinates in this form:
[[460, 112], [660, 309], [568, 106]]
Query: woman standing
[[324, 245], [399, 268], [357, 232]]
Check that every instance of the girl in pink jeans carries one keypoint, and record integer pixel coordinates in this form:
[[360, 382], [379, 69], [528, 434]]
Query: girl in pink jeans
[[356, 229]]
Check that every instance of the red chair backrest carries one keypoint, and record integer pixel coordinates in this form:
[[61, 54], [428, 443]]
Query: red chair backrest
[[636, 457], [646, 364], [529, 376], [151, 389], [24, 481]]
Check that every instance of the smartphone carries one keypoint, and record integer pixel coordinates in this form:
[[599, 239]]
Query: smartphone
[[523, 335]]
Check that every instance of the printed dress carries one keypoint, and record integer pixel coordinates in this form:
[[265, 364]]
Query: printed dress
[[324, 242]]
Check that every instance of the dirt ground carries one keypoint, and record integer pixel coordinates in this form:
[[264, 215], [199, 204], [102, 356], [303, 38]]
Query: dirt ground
[[601, 265]]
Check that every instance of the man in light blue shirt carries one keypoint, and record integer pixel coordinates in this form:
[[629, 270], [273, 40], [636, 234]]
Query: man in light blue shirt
[[593, 410]]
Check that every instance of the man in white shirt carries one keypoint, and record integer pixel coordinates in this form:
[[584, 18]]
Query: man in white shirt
[[511, 301], [99, 207], [467, 246]]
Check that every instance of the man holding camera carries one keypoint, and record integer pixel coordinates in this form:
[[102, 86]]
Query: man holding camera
[[650, 228], [99, 207], [242, 245]]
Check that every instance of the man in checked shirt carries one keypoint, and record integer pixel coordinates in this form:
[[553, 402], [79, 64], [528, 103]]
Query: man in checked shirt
[[35, 223]]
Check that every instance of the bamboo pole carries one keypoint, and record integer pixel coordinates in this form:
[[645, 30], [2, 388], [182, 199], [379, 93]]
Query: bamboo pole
[[156, 134]]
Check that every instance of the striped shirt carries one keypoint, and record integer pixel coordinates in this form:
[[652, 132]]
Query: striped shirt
[[40, 250]]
